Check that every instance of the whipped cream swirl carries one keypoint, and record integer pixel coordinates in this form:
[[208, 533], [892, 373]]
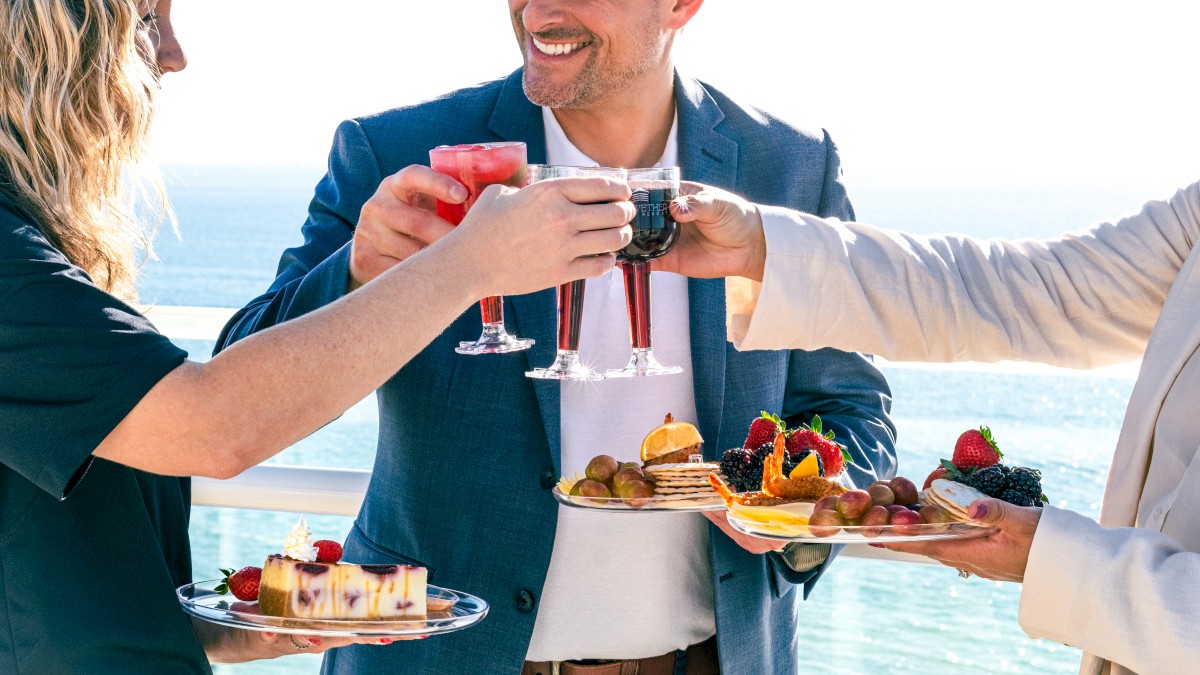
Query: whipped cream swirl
[[299, 544]]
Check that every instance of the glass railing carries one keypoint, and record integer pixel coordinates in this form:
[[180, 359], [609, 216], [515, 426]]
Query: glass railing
[[873, 612]]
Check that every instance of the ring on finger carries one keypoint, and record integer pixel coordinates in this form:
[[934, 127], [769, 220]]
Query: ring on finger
[[298, 645], [963, 573]]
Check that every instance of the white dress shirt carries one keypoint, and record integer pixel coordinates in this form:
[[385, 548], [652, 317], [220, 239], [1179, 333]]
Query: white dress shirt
[[623, 586]]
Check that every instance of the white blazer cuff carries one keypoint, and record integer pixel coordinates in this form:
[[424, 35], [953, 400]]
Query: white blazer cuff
[[758, 313], [1060, 575]]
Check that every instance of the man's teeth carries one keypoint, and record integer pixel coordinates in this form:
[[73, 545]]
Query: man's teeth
[[557, 49]]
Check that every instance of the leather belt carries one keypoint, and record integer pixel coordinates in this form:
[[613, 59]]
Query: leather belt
[[701, 659]]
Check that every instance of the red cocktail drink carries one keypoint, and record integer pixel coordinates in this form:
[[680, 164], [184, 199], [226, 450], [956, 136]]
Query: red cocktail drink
[[476, 166]]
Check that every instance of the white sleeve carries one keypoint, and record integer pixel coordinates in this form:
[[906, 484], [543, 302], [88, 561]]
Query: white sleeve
[[1084, 300], [1128, 595]]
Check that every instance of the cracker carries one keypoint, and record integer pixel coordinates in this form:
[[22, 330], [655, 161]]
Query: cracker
[[683, 490], [956, 493], [690, 467]]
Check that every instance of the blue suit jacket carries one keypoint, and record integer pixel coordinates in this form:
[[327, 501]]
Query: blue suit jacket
[[469, 447]]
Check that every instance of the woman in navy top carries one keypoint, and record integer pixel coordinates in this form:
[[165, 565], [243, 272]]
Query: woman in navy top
[[101, 417]]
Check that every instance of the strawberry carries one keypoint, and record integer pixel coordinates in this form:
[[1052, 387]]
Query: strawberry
[[763, 430], [243, 583], [328, 551], [939, 472], [810, 437], [976, 448], [948, 471]]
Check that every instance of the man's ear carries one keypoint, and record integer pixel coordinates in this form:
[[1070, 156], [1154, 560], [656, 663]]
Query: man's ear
[[680, 12]]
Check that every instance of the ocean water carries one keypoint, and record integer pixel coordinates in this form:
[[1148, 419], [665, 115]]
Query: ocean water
[[865, 616]]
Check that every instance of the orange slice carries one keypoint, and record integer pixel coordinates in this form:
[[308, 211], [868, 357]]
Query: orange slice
[[669, 437]]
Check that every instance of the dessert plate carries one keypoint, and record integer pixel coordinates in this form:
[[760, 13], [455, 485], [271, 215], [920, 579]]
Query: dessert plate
[[858, 534], [457, 611], [709, 502]]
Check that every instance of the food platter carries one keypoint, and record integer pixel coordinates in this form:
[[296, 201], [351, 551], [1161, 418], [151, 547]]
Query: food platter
[[454, 611], [650, 504], [861, 534]]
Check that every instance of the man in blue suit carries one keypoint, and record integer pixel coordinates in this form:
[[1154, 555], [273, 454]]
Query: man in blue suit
[[469, 448]]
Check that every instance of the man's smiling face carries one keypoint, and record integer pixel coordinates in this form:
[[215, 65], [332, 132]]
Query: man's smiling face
[[581, 52]]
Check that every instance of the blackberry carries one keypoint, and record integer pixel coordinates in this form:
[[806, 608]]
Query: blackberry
[[734, 463], [1026, 481], [991, 481], [1016, 498]]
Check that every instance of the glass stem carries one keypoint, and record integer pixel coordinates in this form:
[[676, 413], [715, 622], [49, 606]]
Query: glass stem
[[637, 297]]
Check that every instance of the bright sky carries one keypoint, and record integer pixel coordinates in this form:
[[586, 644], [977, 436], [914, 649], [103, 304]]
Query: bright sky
[[933, 91]]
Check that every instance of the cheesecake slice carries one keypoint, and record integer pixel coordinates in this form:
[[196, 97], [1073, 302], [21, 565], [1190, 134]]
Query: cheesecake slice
[[315, 590]]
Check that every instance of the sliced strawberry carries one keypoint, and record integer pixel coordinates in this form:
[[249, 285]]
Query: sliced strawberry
[[763, 430], [328, 551], [243, 583]]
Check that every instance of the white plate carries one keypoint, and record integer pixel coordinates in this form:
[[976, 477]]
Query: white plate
[[200, 600]]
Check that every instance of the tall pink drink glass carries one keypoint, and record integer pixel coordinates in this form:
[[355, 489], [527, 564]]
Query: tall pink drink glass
[[476, 166]]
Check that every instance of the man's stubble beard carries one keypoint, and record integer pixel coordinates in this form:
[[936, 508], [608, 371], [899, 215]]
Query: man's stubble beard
[[593, 85]]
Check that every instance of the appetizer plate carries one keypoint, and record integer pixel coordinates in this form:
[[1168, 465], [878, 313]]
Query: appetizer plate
[[859, 534], [702, 502], [449, 611]]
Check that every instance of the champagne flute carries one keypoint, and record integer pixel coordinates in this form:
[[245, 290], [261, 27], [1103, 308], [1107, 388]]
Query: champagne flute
[[476, 166]]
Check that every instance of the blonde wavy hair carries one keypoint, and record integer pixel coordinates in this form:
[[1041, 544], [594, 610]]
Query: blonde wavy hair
[[76, 103]]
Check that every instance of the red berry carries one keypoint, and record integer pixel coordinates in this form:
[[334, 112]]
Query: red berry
[[812, 437], [763, 430], [939, 472], [328, 551], [976, 448], [242, 583]]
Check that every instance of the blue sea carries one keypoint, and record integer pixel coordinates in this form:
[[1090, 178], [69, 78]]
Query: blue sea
[[865, 616]]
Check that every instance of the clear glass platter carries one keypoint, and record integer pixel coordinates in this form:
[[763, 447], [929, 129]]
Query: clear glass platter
[[448, 611], [655, 503], [881, 534]]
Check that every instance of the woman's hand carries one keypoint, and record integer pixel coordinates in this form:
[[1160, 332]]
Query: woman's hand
[[224, 644], [722, 236], [546, 234], [1002, 556]]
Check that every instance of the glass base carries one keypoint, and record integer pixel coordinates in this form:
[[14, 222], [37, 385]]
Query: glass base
[[643, 364], [566, 367], [494, 340]]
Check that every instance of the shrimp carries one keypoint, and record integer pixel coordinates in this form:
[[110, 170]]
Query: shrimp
[[775, 484]]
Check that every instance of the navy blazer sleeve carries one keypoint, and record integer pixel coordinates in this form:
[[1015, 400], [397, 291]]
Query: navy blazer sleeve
[[315, 273], [846, 389]]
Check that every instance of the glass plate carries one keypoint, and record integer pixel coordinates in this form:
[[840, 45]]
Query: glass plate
[[462, 610], [618, 505], [887, 534]]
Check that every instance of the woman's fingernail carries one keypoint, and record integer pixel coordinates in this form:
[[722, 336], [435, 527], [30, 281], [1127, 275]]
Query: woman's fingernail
[[385, 641], [979, 512], [458, 192], [269, 634], [682, 206], [315, 641], [876, 545]]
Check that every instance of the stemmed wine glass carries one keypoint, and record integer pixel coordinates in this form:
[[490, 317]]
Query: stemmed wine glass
[[476, 166], [654, 233], [567, 365]]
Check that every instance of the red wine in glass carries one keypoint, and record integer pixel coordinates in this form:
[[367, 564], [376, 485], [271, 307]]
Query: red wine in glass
[[567, 364], [476, 166], [654, 233]]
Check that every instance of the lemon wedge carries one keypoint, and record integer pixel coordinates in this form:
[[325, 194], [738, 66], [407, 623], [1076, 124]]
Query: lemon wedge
[[669, 437]]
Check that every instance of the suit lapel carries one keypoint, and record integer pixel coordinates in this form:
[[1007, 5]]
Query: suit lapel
[[534, 315], [705, 156], [1173, 341]]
